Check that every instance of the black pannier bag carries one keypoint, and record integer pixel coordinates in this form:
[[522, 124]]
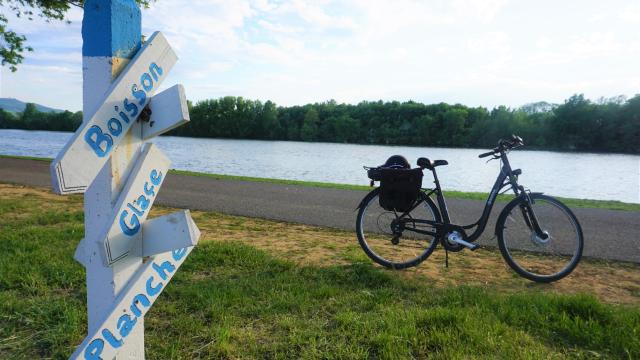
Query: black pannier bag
[[399, 185]]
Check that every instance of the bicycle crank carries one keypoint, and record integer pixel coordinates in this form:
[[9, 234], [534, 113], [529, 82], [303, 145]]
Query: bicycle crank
[[456, 238], [454, 241]]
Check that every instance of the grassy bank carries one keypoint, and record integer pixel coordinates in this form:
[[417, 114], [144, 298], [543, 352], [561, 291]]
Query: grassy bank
[[582, 203], [265, 289]]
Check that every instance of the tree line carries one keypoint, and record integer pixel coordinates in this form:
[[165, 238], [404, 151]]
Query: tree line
[[33, 119], [579, 124]]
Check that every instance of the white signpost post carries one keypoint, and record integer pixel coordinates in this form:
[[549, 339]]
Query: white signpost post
[[128, 259]]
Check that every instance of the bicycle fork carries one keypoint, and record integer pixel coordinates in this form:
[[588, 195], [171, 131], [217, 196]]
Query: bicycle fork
[[531, 219]]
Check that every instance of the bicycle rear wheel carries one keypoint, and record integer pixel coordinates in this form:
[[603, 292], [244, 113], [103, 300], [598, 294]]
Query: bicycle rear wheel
[[532, 256], [375, 230]]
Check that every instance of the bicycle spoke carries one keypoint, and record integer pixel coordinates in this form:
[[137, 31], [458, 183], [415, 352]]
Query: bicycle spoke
[[389, 236], [532, 253]]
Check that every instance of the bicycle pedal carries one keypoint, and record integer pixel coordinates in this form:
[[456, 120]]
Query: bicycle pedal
[[455, 238], [474, 247]]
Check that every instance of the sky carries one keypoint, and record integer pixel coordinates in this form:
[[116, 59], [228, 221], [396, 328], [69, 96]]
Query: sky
[[474, 52]]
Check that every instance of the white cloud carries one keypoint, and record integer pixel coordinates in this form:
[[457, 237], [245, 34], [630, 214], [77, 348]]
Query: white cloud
[[630, 13]]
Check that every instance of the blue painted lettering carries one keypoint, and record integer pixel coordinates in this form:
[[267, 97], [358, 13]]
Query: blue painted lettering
[[146, 81], [135, 223], [94, 350], [142, 202], [126, 324], [139, 94], [130, 107], [151, 290], [140, 205], [164, 270], [98, 141], [135, 209], [156, 177], [155, 70], [115, 127], [179, 253], [139, 299], [124, 117], [111, 339], [149, 190]]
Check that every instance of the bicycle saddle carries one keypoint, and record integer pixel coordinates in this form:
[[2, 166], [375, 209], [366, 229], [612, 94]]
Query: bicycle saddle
[[428, 164]]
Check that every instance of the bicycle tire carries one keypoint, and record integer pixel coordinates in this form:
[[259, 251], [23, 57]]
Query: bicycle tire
[[364, 205], [538, 255]]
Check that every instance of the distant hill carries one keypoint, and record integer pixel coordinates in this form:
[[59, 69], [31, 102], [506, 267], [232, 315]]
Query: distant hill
[[15, 105]]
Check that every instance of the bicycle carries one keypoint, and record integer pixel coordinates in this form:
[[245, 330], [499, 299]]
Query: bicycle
[[538, 236]]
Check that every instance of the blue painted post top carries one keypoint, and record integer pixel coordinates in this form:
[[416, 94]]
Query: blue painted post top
[[111, 28]]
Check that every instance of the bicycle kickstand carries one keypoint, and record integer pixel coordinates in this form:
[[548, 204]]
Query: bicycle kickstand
[[446, 257]]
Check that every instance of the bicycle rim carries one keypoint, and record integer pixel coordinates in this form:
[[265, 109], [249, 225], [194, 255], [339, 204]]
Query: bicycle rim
[[377, 238], [539, 258]]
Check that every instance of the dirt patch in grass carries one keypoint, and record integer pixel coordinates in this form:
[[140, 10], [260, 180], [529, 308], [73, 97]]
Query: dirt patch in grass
[[16, 202], [18, 197], [611, 282]]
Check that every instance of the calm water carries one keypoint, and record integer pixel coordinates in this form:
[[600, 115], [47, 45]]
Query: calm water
[[577, 175]]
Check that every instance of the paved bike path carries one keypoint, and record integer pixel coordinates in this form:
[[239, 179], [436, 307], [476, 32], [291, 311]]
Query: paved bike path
[[609, 234]]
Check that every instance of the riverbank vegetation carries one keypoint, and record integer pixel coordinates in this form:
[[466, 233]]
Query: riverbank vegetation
[[265, 289], [579, 124], [32, 119]]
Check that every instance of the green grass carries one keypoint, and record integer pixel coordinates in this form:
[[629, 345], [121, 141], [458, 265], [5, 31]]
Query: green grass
[[581, 203], [232, 300]]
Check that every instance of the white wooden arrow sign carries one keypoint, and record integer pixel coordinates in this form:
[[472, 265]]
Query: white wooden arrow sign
[[162, 234], [86, 153], [135, 300], [169, 232], [134, 203], [168, 111]]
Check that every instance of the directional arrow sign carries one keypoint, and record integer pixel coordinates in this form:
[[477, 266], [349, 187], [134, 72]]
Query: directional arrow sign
[[132, 304], [168, 111], [85, 154], [169, 232], [134, 203]]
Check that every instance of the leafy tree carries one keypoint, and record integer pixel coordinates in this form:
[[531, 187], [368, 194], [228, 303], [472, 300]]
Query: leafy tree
[[309, 130], [12, 45], [343, 128], [268, 126], [453, 129], [8, 120], [31, 117], [626, 132], [425, 130], [576, 123]]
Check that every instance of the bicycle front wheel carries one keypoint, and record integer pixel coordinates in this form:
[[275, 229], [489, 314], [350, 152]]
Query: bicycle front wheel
[[545, 258], [393, 239]]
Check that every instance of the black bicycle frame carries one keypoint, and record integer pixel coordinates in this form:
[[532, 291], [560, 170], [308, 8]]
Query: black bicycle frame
[[506, 177]]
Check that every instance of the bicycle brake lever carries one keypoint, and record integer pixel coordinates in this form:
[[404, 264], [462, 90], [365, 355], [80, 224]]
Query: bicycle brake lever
[[492, 158]]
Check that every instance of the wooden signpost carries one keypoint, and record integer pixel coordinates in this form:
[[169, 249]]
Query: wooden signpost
[[128, 259]]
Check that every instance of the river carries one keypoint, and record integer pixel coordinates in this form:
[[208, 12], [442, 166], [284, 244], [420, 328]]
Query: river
[[575, 175]]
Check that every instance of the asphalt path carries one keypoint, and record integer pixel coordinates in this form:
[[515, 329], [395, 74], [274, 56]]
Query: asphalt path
[[609, 234]]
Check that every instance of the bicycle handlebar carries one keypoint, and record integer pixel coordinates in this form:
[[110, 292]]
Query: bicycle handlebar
[[504, 145]]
